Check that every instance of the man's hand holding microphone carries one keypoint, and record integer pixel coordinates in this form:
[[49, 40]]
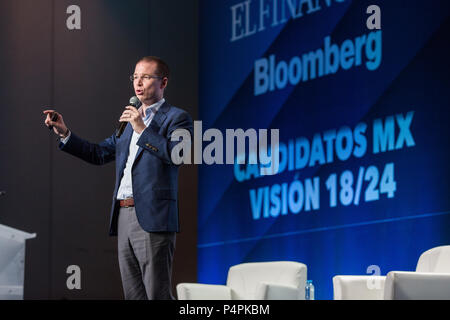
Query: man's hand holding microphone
[[132, 115]]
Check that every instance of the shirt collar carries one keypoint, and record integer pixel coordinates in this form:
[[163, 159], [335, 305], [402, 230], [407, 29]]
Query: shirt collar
[[152, 109]]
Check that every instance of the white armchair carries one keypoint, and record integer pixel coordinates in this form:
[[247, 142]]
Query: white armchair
[[280, 280], [431, 280]]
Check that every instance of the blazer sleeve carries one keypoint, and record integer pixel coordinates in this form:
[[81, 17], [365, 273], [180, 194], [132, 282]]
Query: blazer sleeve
[[161, 146], [93, 153]]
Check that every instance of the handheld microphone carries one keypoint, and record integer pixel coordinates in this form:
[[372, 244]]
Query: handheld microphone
[[135, 102]]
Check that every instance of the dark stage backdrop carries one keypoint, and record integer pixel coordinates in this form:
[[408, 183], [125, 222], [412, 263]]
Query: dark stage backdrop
[[84, 75], [364, 137]]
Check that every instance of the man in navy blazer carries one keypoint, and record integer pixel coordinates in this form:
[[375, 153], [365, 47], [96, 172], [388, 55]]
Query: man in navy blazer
[[144, 213]]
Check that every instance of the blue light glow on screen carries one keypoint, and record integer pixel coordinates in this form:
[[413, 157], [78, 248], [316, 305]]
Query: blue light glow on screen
[[363, 115]]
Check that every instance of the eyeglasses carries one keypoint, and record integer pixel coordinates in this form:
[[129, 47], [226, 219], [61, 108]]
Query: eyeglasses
[[144, 77]]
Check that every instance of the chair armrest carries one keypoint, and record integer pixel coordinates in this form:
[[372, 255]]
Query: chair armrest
[[358, 287], [196, 291], [273, 291], [401, 285]]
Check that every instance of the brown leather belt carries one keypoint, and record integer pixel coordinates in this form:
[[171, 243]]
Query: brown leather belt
[[126, 203]]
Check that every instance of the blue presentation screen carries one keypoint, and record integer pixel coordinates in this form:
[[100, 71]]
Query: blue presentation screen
[[360, 95]]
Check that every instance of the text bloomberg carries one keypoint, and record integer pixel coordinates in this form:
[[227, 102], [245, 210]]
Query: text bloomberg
[[271, 75]]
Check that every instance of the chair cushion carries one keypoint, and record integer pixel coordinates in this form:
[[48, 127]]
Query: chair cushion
[[358, 287], [197, 291], [245, 278], [435, 260], [402, 285]]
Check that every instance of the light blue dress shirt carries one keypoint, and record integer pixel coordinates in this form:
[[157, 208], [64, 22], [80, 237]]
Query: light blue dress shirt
[[126, 186]]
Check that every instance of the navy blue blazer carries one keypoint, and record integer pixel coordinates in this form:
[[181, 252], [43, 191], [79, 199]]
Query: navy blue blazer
[[154, 175]]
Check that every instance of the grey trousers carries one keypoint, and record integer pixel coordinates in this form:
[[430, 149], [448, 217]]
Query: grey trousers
[[145, 259]]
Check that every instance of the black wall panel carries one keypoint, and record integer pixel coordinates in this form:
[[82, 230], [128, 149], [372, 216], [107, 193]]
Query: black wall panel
[[25, 148]]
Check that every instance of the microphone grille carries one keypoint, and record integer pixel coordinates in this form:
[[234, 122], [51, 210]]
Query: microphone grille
[[135, 102]]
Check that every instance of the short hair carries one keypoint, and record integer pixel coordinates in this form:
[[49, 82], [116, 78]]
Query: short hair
[[162, 68]]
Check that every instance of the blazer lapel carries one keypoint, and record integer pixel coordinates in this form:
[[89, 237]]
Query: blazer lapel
[[158, 119], [160, 115], [126, 136]]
